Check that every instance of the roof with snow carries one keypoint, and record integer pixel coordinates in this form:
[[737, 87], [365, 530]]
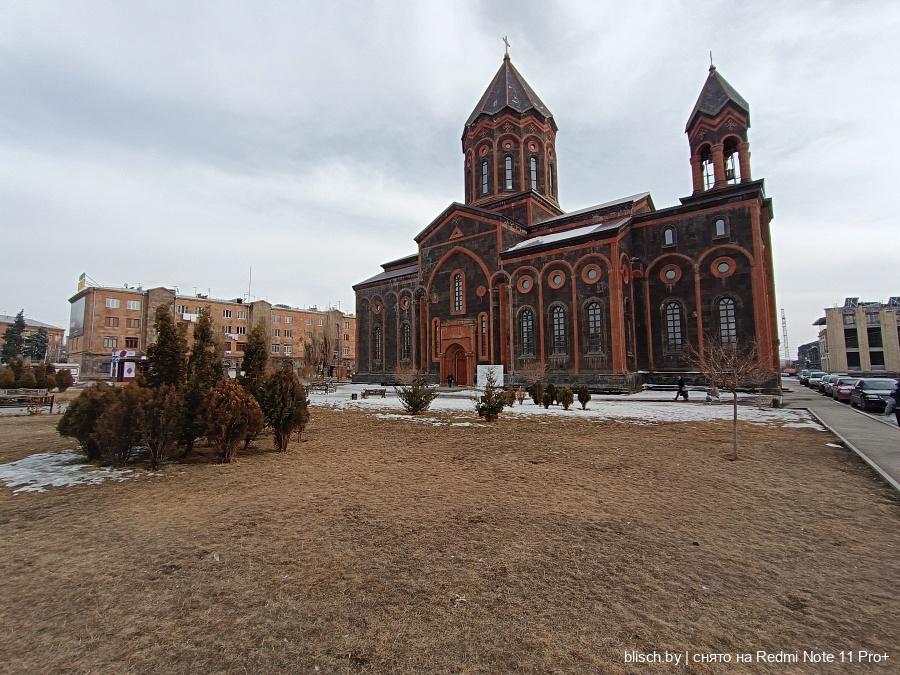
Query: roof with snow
[[31, 323], [574, 233]]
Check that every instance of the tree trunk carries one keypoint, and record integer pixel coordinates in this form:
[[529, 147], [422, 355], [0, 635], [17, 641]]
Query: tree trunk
[[734, 448]]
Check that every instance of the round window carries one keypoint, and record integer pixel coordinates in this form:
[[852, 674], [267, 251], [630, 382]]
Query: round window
[[526, 283], [592, 274], [723, 267], [557, 279], [671, 274]]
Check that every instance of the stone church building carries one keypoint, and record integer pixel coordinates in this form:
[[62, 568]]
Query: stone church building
[[608, 295]]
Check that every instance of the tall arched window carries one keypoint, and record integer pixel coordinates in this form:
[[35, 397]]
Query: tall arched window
[[669, 237], [674, 336], [484, 177], [732, 162], [594, 328], [405, 342], [552, 180], [483, 335], [707, 169], [526, 332], [560, 339], [458, 292], [435, 338], [532, 165], [376, 344], [727, 322], [507, 167]]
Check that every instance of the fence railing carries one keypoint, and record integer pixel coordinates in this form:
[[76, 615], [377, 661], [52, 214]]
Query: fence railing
[[12, 393]]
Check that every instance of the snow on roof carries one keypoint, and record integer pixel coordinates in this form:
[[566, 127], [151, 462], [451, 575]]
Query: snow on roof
[[31, 323], [615, 202], [574, 233], [399, 272]]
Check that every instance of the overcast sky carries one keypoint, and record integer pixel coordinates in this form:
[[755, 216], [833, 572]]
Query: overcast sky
[[177, 144]]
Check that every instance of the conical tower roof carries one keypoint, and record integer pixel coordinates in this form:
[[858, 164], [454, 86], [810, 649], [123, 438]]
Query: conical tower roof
[[716, 93], [508, 89]]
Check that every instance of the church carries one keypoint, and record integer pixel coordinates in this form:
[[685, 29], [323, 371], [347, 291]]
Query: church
[[610, 295]]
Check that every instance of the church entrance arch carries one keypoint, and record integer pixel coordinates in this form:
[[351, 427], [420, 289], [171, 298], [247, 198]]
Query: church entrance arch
[[456, 364]]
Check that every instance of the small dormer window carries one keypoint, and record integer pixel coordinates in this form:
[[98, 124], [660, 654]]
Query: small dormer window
[[484, 177], [669, 236], [508, 176]]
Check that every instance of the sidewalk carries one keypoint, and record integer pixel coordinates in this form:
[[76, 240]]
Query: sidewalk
[[876, 442]]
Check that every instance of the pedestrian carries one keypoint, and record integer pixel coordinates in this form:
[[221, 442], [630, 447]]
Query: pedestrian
[[895, 397], [450, 381], [713, 394], [681, 390]]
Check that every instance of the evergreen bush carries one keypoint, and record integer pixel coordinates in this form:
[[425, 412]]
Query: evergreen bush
[[27, 380], [64, 379], [492, 401], [566, 397], [160, 422], [537, 393], [554, 394], [547, 399], [118, 431], [416, 397], [7, 379], [584, 395], [284, 404], [81, 416], [229, 415]]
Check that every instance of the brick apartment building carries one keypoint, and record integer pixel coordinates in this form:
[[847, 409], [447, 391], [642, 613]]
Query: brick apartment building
[[55, 334], [861, 338], [110, 329]]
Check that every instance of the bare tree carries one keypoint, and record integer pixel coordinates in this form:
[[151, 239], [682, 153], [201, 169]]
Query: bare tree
[[532, 370], [729, 367]]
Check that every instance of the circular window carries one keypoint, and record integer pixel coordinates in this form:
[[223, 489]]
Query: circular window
[[591, 274], [404, 303], [532, 146], [483, 150], [556, 279], [507, 145], [723, 267], [480, 291], [525, 284]]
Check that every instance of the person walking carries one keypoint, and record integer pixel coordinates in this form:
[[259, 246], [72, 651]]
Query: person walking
[[896, 396], [681, 390], [450, 381]]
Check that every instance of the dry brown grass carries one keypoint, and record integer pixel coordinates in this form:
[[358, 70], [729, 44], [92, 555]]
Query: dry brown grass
[[380, 546]]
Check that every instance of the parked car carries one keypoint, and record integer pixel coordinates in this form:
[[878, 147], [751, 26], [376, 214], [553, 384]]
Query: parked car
[[871, 393], [841, 389], [803, 376], [828, 381], [815, 376]]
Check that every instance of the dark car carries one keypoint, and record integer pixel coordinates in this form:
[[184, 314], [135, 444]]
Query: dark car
[[842, 388], [872, 393]]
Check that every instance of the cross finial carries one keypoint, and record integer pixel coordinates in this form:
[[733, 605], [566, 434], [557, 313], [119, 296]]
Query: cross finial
[[506, 48], [711, 66]]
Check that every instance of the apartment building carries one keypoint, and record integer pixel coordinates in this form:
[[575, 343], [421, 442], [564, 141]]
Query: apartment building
[[861, 337], [111, 328], [55, 334]]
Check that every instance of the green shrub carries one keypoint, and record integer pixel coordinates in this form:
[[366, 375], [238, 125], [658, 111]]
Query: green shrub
[[554, 394], [566, 397], [160, 422], [547, 399], [492, 401], [284, 404], [509, 397], [27, 380], [417, 396], [537, 393], [7, 379], [64, 379], [584, 395], [230, 414], [118, 429], [81, 416]]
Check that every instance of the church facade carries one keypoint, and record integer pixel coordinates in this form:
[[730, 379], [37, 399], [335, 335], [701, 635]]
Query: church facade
[[612, 293]]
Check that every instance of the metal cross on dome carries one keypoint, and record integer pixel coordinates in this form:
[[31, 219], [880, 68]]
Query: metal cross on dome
[[506, 49]]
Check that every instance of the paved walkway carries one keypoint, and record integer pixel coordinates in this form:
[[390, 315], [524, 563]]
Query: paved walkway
[[873, 440]]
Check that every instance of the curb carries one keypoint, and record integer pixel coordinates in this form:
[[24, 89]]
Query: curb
[[874, 417], [881, 472]]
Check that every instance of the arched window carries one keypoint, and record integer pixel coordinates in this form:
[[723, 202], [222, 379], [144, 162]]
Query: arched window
[[507, 164], [526, 331], [706, 167], [435, 338], [721, 227], [552, 180], [594, 328], [484, 177], [376, 344], [533, 168], [560, 339], [727, 322], [483, 335], [405, 342], [732, 162], [674, 336], [458, 292], [669, 236]]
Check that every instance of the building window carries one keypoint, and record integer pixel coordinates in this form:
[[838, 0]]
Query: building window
[[533, 168], [110, 342], [376, 344], [669, 236], [552, 180], [183, 309], [458, 292], [276, 332], [707, 170], [242, 330], [483, 335], [321, 322], [276, 318], [674, 338], [508, 172], [405, 342], [595, 328], [484, 177], [346, 325], [226, 313], [227, 346], [133, 304], [276, 349], [727, 322], [242, 314], [288, 349], [346, 351], [289, 319], [132, 323], [113, 303], [526, 332], [111, 322], [131, 343], [288, 332], [721, 227], [560, 339]]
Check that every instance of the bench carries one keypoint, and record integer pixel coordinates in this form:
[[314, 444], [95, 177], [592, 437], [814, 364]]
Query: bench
[[374, 392], [324, 387], [34, 403]]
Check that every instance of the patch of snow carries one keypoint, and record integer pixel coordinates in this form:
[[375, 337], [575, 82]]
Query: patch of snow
[[432, 421], [834, 445], [809, 424], [56, 469]]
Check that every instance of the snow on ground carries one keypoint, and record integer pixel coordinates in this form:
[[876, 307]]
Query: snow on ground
[[56, 469], [433, 421], [634, 408]]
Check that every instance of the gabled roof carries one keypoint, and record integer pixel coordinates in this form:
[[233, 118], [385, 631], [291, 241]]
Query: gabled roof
[[30, 323], [474, 210], [566, 235], [631, 199], [716, 93], [390, 274], [508, 89]]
